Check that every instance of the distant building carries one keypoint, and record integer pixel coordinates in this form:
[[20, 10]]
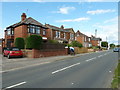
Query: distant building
[[96, 41], [83, 39]]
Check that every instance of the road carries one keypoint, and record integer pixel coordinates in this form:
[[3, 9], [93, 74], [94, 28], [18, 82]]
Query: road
[[94, 70]]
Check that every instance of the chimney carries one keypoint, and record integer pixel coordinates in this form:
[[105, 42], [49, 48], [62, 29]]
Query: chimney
[[62, 26], [23, 16]]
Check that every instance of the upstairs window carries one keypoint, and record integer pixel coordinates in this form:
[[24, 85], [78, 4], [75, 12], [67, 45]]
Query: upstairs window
[[10, 31], [44, 32], [34, 29], [71, 36], [57, 34], [64, 35]]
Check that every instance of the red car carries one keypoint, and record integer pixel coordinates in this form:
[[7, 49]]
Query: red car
[[12, 52]]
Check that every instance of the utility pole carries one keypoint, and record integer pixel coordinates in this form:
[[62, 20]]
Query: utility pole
[[95, 32]]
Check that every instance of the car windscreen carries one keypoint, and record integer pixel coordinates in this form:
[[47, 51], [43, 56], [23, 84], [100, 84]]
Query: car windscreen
[[14, 49]]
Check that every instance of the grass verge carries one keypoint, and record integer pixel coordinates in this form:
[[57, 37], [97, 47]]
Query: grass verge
[[116, 79]]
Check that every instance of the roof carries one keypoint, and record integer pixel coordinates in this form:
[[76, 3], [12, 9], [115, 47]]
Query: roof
[[99, 39], [81, 34], [56, 28], [28, 21]]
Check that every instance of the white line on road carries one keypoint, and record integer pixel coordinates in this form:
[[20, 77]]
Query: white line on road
[[100, 56], [15, 85], [90, 59], [65, 68]]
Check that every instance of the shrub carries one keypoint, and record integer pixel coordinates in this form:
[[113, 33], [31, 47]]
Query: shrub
[[33, 42], [76, 44], [104, 44], [20, 43]]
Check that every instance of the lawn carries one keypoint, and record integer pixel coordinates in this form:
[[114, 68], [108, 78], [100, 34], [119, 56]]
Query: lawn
[[116, 79]]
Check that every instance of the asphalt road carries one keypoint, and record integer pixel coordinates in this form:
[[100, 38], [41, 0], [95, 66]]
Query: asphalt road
[[93, 70]]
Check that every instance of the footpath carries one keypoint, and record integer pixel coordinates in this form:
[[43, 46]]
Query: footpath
[[19, 63]]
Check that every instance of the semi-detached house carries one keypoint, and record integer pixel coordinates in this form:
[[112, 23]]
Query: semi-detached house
[[61, 34], [29, 26], [83, 39], [24, 28]]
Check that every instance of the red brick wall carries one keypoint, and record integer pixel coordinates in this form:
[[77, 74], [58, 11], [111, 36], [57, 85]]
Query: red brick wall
[[20, 31], [80, 39], [94, 42], [48, 34], [39, 53]]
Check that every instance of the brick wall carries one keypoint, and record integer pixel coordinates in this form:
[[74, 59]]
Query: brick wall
[[94, 42], [45, 53], [20, 31]]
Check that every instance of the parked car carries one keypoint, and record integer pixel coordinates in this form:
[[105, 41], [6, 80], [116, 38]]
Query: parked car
[[12, 52], [116, 49]]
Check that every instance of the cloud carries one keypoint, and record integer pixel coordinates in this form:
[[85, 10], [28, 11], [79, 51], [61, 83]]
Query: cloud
[[113, 20], [109, 31], [74, 20], [100, 11], [64, 10]]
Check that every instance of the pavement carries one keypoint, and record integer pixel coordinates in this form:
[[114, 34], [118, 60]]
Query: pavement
[[93, 70], [19, 63]]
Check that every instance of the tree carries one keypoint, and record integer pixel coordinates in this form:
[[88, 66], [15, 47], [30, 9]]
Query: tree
[[20, 43], [76, 44], [104, 44], [33, 42], [112, 45], [117, 45]]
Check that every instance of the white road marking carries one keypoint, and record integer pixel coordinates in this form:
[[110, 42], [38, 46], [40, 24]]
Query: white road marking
[[110, 71], [15, 85], [105, 54], [65, 68], [90, 59], [72, 83], [100, 56]]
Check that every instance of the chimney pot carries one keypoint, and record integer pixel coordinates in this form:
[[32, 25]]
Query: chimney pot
[[23, 16]]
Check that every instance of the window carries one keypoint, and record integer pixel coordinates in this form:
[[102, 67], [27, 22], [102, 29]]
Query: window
[[34, 29], [71, 36], [85, 38], [57, 34], [64, 35], [10, 31], [44, 32]]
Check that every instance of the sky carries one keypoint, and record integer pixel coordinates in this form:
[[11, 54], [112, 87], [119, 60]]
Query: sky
[[84, 16]]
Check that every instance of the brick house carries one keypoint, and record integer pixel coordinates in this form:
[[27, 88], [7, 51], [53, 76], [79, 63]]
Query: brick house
[[27, 26], [95, 41], [60, 34], [83, 39]]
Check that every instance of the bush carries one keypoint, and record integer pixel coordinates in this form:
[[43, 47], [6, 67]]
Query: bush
[[76, 44], [33, 42], [104, 44], [20, 43]]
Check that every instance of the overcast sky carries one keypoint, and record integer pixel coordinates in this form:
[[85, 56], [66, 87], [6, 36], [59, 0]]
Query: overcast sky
[[84, 16]]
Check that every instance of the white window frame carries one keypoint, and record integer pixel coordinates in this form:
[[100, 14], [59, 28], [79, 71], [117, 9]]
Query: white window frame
[[64, 35], [44, 32]]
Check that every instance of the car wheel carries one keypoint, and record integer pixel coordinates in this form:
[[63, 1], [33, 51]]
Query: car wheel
[[8, 56], [3, 55]]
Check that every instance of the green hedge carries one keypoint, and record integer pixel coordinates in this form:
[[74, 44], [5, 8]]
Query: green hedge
[[20, 43], [33, 42]]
